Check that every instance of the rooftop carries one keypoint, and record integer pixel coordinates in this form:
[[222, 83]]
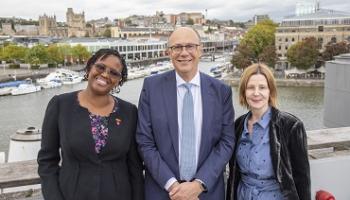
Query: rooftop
[[319, 14]]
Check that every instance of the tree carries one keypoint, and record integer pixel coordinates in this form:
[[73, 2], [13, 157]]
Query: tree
[[334, 49], [189, 21], [260, 36], [80, 53], [258, 45], [241, 59], [55, 54], [14, 53], [304, 54], [268, 55], [37, 55]]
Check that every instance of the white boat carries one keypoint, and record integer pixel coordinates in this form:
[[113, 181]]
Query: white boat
[[63, 76], [72, 79], [25, 88], [51, 83], [6, 90]]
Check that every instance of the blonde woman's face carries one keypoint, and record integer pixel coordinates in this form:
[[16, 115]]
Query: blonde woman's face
[[257, 93]]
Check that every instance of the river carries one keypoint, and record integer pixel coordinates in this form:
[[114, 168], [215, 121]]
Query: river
[[28, 110]]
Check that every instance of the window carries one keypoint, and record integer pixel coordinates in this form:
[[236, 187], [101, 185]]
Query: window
[[293, 39], [334, 39], [320, 29]]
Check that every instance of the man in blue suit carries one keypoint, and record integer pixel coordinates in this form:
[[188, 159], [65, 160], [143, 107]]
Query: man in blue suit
[[185, 130]]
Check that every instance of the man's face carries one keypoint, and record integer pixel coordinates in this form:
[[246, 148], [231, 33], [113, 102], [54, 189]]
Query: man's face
[[185, 51]]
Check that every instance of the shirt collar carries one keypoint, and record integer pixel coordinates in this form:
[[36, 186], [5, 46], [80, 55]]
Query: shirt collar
[[195, 80], [265, 119], [263, 122]]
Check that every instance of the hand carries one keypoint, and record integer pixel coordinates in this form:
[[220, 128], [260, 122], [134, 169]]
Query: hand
[[173, 186], [186, 191]]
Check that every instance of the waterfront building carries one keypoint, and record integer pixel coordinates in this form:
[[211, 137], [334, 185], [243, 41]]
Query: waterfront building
[[133, 50], [48, 27], [46, 24], [310, 21], [129, 32], [76, 23], [7, 29], [28, 30]]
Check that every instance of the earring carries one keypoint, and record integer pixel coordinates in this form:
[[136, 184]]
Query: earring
[[86, 76], [115, 90]]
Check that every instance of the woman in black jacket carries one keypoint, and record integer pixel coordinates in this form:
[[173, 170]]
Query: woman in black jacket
[[270, 160], [88, 149]]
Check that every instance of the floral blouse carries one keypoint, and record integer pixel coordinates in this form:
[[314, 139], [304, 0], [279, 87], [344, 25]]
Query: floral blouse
[[99, 128]]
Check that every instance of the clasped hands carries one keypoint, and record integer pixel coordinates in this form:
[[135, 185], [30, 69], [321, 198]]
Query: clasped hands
[[186, 190]]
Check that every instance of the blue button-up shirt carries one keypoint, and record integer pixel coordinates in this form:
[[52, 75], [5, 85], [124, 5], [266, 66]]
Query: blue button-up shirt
[[254, 160]]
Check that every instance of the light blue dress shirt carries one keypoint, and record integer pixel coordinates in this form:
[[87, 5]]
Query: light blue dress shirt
[[198, 114], [254, 160]]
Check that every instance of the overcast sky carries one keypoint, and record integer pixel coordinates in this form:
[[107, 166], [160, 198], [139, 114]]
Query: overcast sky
[[237, 10]]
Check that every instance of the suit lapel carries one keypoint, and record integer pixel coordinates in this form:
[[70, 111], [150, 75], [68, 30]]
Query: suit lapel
[[115, 127], [84, 133], [170, 99], [208, 106]]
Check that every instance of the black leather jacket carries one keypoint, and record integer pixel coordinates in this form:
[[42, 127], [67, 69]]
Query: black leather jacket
[[288, 145]]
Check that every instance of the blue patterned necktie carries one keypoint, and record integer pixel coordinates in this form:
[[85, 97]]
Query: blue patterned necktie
[[188, 163]]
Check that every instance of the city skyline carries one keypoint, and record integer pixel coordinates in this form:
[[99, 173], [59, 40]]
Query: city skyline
[[219, 9]]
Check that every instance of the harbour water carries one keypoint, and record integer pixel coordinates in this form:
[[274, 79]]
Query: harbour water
[[28, 110]]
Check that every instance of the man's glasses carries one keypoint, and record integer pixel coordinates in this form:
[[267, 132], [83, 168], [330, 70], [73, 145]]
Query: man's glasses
[[101, 68], [189, 48]]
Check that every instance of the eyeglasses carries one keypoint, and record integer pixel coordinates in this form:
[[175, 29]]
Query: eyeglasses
[[101, 68], [189, 48]]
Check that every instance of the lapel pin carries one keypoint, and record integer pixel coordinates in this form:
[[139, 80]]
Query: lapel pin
[[118, 121]]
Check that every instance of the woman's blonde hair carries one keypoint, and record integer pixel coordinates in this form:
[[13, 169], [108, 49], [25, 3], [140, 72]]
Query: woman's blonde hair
[[257, 68]]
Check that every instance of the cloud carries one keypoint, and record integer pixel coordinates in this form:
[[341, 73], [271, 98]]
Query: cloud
[[220, 9]]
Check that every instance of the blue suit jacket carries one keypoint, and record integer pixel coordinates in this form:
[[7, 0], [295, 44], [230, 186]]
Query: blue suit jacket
[[157, 134]]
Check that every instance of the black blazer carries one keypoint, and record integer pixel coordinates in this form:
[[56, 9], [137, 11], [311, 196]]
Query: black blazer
[[115, 173], [288, 145]]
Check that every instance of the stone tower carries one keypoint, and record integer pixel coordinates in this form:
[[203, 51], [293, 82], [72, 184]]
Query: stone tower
[[46, 23], [76, 23]]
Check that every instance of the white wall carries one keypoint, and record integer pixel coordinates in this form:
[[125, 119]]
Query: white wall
[[331, 174]]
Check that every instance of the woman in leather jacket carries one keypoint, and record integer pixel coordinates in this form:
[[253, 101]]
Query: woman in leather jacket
[[270, 160]]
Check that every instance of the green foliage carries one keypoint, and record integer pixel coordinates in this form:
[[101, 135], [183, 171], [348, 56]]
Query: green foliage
[[55, 54], [66, 51], [260, 36], [37, 55], [268, 55], [334, 49], [257, 45], [1, 52], [241, 59], [14, 53], [80, 53], [304, 54]]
